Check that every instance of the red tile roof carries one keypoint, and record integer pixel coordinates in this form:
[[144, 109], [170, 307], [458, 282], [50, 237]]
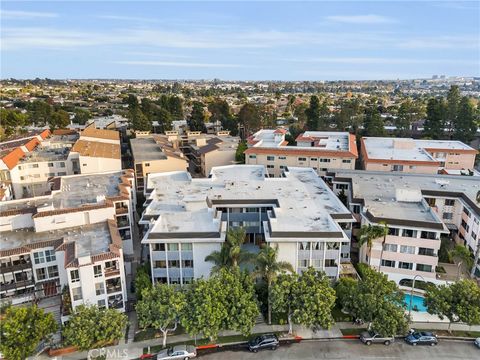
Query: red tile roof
[[45, 133], [12, 158], [32, 144]]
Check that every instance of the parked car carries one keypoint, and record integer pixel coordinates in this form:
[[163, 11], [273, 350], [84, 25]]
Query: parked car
[[421, 338], [267, 341], [369, 337], [179, 352], [477, 342]]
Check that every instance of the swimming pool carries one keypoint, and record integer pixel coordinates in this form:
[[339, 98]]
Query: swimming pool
[[417, 303]]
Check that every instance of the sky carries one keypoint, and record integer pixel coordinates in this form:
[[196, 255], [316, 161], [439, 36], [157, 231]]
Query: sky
[[248, 40]]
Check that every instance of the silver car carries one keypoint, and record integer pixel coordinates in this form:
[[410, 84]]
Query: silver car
[[179, 352]]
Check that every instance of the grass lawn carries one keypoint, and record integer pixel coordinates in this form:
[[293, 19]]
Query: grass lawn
[[220, 340], [352, 331]]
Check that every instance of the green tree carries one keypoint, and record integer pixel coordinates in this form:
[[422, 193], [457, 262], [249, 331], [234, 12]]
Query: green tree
[[408, 112], [373, 124], [453, 103], [231, 254], [344, 288], [268, 267], [139, 121], [142, 280], [91, 326], [206, 312], [313, 113], [22, 329], [40, 112], [240, 153], [239, 299], [160, 308], [221, 113], [132, 102], [175, 107], [435, 120], [164, 119], [59, 120], [462, 254], [197, 118], [81, 116], [369, 233], [465, 125], [458, 302], [377, 301], [307, 299], [250, 118]]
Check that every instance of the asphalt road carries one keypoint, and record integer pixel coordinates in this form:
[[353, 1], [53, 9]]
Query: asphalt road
[[353, 349]]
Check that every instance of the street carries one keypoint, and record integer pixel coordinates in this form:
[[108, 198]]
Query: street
[[354, 349]]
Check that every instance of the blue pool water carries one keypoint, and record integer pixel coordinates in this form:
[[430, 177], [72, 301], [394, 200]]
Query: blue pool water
[[417, 303]]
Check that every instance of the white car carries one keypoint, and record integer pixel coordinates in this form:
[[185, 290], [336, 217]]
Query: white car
[[180, 352], [477, 342]]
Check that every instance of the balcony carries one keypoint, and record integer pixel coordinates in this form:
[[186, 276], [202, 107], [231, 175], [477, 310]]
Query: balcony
[[16, 285], [109, 272], [113, 285], [122, 222], [121, 210], [15, 266]]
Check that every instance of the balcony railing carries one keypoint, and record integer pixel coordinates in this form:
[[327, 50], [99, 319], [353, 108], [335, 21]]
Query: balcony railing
[[17, 285], [12, 267], [121, 210], [111, 272]]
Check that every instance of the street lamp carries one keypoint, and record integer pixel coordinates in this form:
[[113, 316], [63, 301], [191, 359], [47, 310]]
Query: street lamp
[[411, 293]]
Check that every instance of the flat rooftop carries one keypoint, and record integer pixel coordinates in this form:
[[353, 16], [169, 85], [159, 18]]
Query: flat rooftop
[[385, 148], [90, 239], [327, 140], [302, 201], [379, 192], [146, 149]]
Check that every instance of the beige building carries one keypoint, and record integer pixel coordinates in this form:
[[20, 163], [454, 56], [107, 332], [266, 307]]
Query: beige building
[[154, 154], [417, 156], [316, 149], [418, 209]]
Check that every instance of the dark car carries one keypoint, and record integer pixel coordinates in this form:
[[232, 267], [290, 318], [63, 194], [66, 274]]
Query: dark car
[[268, 341], [421, 338]]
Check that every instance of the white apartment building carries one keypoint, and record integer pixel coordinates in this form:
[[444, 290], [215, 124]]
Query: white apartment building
[[28, 163], [418, 209], [418, 156], [80, 236], [319, 150], [187, 219]]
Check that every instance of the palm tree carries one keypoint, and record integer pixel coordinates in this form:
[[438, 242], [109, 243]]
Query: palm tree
[[368, 233], [231, 254], [267, 267]]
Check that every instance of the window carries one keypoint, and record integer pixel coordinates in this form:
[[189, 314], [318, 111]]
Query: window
[[186, 247], [53, 271], [51, 174], [41, 274], [161, 264], [282, 158], [74, 276], [393, 231], [97, 271], [346, 161], [410, 233], [324, 160], [99, 288], [39, 257], [252, 156], [313, 159], [405, 249], [302, 159], [50, 255], [465, 226], [303, 263], [270, 167], [466, 211], [390, 247], [62, 173], [447, 216], [423, 267], [388, 263], [173, 263], [101, 303], [35, 166], [426, 251], [332, 246], [77, 293], [62, 164], [341, 186], [430, 201], [317, 263], [22, 177], [187, 280], [270, 158], [304, 245], [449, 202], [187, 263], [397, 168], [283, 167], [158, 247], [330, 263], [147, 164], [428, 235], [405, 265], [50, 164], [172, 247]]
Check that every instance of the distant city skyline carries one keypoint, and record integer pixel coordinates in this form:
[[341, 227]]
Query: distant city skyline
[[356, 40]]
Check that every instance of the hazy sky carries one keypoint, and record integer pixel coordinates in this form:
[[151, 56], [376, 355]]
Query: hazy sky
[[239, 40]]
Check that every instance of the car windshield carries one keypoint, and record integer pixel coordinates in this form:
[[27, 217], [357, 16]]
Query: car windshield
[[417, 335]]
